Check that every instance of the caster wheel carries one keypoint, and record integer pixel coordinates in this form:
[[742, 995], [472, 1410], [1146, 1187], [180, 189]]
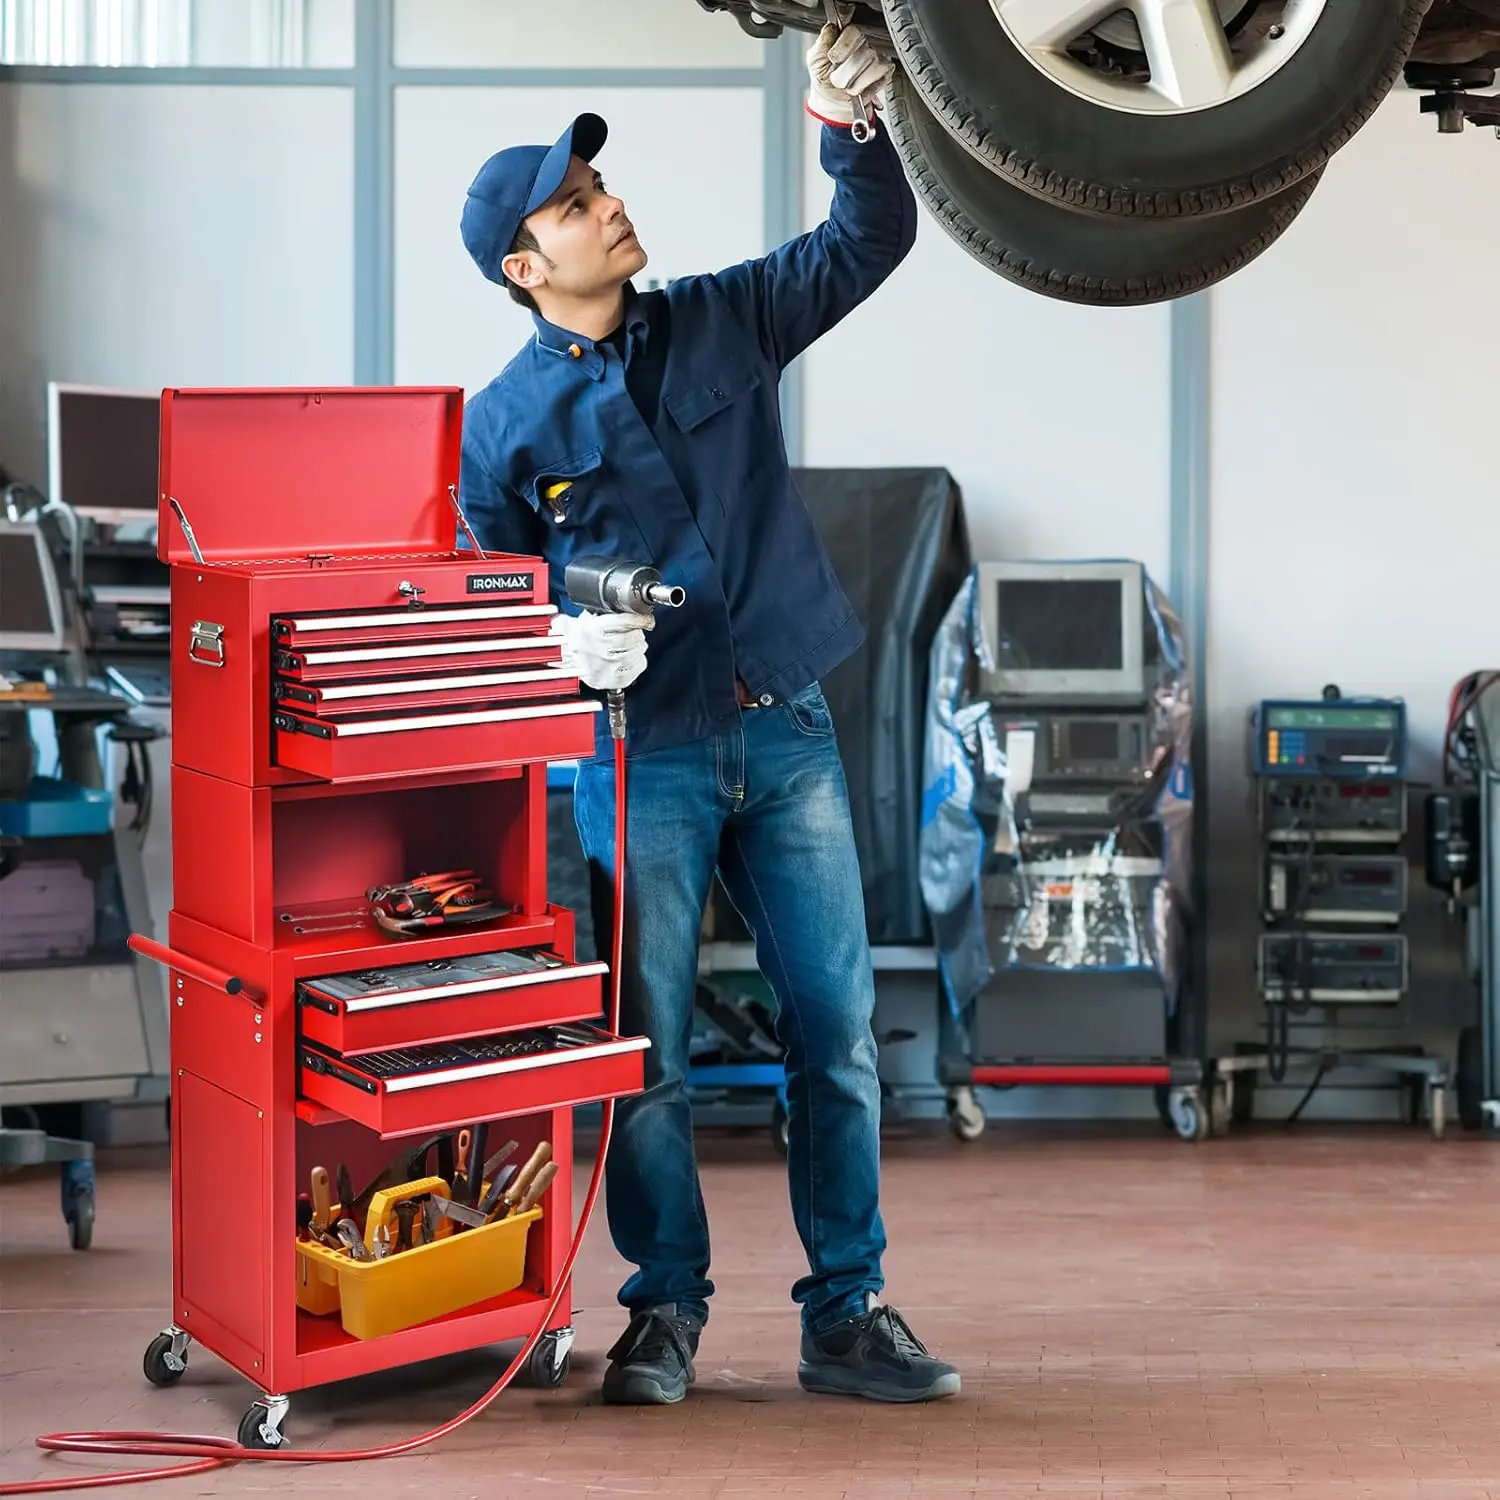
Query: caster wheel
[[81, 1220], [1189, 1116], [965, 1115], [1220, 1108], [551, 1362], [1469, 1079], [780, 1137], [165, 1364], [257, 1431]]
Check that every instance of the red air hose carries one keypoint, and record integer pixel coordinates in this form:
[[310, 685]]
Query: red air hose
[[214, 1452]]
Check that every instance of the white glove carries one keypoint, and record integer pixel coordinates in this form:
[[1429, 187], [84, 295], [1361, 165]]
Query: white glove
[[603, 651], [843, 65]]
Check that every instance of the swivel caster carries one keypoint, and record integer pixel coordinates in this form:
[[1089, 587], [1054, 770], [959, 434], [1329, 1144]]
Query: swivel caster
[[965, 1114], [549, 1364], [1221, 1106], [78, 1202], [1190, 1119], [81, 1219], [261, 1426], [166, 1357]]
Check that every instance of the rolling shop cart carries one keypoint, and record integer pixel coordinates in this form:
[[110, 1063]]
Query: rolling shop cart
[[354, 704], [1056, 840]]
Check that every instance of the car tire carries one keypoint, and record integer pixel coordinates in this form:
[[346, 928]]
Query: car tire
[[1075, 257], [1032, 127]]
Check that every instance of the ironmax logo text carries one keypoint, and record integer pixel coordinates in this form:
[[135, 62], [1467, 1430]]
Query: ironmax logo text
[[501, 583]]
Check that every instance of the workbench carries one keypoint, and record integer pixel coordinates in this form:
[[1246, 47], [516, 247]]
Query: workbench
[[355, 702]]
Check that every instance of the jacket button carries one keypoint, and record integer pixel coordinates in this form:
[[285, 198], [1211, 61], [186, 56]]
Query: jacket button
[[575, 351], [717, 394], [766, 700]]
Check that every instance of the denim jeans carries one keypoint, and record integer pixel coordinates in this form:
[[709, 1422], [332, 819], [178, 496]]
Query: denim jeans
[[766, 805]]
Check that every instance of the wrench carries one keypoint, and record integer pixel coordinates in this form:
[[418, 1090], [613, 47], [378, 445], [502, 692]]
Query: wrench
[[861, 129], [353, 1241]]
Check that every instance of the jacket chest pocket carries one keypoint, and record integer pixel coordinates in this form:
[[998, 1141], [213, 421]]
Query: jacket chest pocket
[[715, 412], [696, 397], [568, 493]]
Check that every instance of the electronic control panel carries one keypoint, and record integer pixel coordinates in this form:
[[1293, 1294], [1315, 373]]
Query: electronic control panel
[[1333, 967], [1070, 749], [1326, 812], [1350, 739], [1367, 889]]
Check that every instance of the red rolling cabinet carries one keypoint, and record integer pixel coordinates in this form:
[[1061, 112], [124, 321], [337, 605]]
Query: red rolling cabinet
[[354, 703]]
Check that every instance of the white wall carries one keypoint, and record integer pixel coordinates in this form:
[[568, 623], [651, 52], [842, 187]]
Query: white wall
[[1354, 527], [1053, 418], [155, 236], [694, 196]]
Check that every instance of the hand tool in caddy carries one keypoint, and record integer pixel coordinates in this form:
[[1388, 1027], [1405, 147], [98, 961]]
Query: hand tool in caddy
[[352, 1234], [206, 1453]]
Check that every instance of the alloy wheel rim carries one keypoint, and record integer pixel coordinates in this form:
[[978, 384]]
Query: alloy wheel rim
[[1157, 57]]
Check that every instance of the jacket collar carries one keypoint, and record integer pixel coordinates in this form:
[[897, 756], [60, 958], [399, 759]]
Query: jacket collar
[[575, 348]]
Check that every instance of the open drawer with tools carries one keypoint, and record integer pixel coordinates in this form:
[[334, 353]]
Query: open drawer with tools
[[404, 1005], [438, 1086]]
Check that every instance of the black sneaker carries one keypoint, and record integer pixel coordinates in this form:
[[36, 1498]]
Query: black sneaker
[[652, 1364], [875, 1356]]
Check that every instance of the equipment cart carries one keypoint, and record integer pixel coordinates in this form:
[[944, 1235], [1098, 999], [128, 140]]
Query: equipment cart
[[373, 1004], [1057, 840]]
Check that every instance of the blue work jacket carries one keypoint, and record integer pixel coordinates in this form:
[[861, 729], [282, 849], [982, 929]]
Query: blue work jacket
[[669, 436]]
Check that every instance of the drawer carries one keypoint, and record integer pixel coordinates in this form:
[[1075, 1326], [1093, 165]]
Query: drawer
[[423, 693], [420, 658], [414, 744], [444, 1087], [371, 626], [71, 1023], [407, 1005]]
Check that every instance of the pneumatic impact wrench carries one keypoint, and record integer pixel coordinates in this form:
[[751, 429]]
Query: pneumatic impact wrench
[[607, 586]]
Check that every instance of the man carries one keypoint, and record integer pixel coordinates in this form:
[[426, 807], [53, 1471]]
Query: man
[[645, 427]]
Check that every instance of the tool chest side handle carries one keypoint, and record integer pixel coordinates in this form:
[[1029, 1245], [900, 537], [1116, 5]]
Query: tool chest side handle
[[194, 968]]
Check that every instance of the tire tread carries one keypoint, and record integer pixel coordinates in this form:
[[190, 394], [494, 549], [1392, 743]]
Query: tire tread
[[957, 113], [984, 245]]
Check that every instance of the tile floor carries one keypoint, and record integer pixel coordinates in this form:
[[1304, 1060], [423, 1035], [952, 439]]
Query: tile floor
[[1291, 1313]]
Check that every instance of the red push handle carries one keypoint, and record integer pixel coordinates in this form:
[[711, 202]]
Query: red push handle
[[194, 968]]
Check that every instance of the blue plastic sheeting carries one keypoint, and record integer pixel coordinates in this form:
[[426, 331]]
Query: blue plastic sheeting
[[1009, 892]]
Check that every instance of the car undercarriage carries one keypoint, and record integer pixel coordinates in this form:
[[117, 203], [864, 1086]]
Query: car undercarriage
[[1120, 155]]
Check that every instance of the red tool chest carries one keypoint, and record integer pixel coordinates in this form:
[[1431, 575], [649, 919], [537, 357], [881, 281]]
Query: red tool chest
[[355, 702]]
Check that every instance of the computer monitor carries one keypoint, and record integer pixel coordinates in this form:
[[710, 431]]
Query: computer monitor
[[31, 611], [1063, 630], [102, 451]]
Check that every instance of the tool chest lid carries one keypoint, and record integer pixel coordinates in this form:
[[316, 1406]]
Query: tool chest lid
[[263, 474]]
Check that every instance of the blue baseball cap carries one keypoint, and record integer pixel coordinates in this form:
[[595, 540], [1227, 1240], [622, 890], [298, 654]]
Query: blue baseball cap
[[514, 183]]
